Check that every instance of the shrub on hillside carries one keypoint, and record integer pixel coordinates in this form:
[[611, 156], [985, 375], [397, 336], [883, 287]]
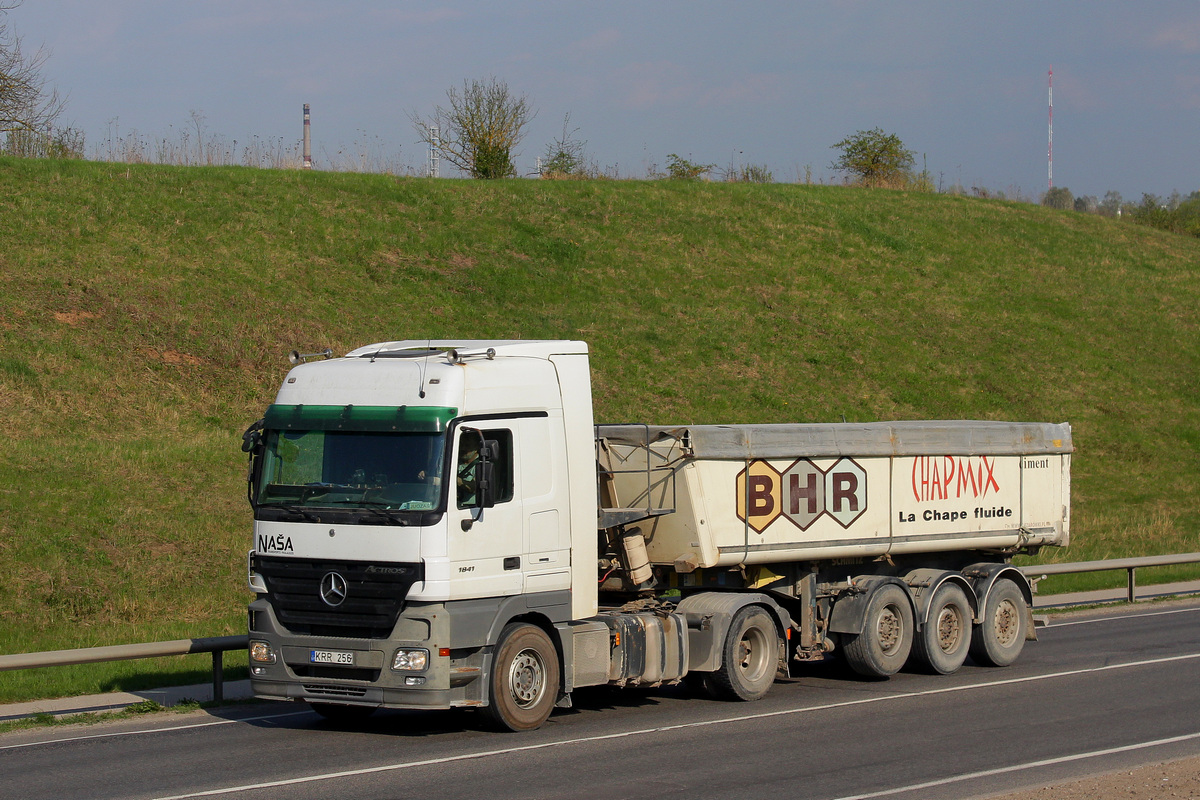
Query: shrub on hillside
[[63, 143], [565, 156], [750, 173], [681, 169], [1183, 217]]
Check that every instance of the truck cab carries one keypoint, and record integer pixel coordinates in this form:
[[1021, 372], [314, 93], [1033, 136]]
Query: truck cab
[[409, 499]]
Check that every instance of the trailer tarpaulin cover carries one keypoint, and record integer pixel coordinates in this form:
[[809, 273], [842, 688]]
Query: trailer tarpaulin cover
[[836, 439]]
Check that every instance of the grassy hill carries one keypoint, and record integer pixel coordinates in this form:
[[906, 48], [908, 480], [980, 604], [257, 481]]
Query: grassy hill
[[146, 313]]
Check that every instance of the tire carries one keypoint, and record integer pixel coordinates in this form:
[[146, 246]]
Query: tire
[[943, 642], [999, 639], [887, 636], [749, 657], [336, 712], [524, 682]]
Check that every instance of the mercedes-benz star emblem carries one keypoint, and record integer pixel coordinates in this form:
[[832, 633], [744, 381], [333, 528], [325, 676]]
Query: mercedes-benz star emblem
[[333, 589]]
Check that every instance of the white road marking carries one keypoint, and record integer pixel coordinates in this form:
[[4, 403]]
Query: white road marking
[[1049, 762], [142, 732], [1122, 616], [705, 723]]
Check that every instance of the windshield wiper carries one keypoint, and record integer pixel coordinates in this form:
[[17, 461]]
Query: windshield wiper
[[389, 515], [308, 516]]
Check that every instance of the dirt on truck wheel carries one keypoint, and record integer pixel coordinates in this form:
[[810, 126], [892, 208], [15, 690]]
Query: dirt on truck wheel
[[749, 659], [524, 681]]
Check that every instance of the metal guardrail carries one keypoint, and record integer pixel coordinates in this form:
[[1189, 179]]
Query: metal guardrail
[[1127, 564], [217, 645]]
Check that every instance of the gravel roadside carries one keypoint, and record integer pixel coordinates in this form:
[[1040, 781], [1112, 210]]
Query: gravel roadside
[[1172, 779]]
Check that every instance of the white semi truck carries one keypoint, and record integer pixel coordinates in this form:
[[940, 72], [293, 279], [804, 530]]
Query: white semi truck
[[441, 524]]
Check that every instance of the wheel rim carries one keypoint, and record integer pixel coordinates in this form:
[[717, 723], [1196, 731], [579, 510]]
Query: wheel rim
[[752, 654], [1007, 623], [527, 678], [949, 629], [891, 630]]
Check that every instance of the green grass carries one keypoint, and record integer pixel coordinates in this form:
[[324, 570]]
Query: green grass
[[146, 312], [45, 720]]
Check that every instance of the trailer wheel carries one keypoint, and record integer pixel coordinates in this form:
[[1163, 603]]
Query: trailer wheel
[[941, 647], [524, 682], [999, 639], [749, 657], [336, 712], [887, 635]]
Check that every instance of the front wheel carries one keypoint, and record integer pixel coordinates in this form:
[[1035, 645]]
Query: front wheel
[[749, 657], [1000, 637], [525, 679]]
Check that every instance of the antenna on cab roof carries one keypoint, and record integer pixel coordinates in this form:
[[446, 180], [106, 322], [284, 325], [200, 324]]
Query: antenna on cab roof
[[424, 363]]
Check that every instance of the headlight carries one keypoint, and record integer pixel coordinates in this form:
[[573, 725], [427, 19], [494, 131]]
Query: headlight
[[411, 660], [261, 653]]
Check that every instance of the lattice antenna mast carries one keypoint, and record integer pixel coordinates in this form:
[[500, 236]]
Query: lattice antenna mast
[[435, 149], [1050, 146]]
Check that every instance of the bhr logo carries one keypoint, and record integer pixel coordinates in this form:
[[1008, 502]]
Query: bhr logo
[[802, 493]]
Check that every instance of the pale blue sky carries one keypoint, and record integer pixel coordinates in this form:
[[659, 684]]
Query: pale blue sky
[[773, 83]]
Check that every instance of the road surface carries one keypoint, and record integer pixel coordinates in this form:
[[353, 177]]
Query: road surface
[[1102, 691]]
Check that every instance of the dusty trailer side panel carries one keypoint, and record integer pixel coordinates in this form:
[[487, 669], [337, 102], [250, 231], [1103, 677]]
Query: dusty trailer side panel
[[759, 494]]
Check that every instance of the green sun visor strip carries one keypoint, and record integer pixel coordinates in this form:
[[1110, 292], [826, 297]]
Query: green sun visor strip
[[395, 419]]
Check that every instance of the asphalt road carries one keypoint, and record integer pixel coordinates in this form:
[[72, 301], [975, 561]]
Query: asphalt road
[[1103, 691]]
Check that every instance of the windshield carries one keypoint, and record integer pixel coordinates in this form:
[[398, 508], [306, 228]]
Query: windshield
[[339, 458]]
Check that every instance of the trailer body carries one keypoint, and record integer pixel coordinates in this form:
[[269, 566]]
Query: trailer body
[[826, 491]]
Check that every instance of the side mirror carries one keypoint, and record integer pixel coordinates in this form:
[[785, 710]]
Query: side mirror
[[252, 443], [252, 439], [485, 495]]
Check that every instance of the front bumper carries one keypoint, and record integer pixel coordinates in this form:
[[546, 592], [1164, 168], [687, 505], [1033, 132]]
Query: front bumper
[[450, 679]]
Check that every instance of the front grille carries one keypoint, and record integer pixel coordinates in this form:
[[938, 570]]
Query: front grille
[[374, 595]]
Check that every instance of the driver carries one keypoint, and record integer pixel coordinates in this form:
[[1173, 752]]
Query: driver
[[468, 466]]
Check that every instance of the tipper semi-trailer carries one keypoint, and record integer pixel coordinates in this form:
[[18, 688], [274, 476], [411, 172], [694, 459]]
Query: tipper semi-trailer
[[441, 524]]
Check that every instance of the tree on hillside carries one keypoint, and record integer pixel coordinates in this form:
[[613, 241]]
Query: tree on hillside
[[1187, 216], [26, 104], [480, 129], [1152, 211], [1110, 206], [1059, 197], [1184, 217], [875, 157]]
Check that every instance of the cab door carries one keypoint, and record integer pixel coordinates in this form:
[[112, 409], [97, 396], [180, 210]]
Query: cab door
[[546, 501], [485, 544]]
